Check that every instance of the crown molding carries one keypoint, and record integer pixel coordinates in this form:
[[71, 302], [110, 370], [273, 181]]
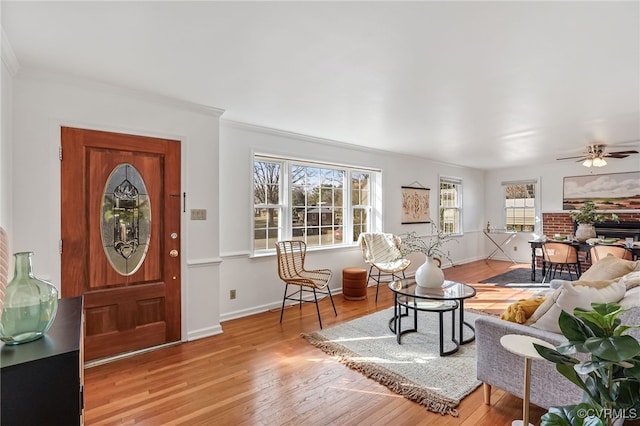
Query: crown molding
[[9, 58], [256, 128], [291, 135]]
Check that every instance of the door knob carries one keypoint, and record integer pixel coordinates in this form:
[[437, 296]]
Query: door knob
[[173, 253]]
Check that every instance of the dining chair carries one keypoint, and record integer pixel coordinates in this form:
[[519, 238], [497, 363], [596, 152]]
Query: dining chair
[[382, 252], [558, 256], [598, 252], [291, 270]]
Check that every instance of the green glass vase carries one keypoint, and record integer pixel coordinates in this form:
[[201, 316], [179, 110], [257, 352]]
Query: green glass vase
[[30, 304]]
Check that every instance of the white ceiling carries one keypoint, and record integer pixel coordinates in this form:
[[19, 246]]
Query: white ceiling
[[481, 84]]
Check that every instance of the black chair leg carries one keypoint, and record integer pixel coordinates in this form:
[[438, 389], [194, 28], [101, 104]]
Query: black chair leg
[[377, 285], [301, 298], [315, 297], [283, 300], [547, 275], [332, 304], [370, 276]]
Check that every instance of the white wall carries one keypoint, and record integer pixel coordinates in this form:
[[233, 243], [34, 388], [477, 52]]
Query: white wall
[[550, 178], [255, 278], [9, 67], [42, 103]]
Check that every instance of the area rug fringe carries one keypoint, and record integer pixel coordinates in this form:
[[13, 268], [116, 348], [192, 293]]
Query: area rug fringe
[[396, 383], [479, 312]]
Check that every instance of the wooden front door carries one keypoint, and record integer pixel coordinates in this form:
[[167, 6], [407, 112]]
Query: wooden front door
[[121, 238]]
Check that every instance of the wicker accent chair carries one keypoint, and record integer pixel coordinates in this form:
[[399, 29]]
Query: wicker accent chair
[[598, 252], [560, 255], [382, 252], [291, 270]]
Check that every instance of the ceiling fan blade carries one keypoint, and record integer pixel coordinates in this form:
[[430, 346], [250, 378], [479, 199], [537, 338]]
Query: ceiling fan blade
[[614, 155], [623, 152], [570, 158]]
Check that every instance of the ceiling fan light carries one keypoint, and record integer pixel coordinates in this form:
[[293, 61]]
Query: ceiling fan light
[[588, 162], [599, 162]]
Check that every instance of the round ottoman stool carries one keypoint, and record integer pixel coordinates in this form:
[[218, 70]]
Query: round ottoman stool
[[354, 283]]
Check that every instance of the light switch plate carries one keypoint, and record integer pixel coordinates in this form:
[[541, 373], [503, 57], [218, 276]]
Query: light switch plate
[[198, 214]]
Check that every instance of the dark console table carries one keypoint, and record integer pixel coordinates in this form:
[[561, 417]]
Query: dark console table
[[42, 381]]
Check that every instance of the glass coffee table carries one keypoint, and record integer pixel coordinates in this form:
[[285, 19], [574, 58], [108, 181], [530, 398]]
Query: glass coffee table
[[448, 298]]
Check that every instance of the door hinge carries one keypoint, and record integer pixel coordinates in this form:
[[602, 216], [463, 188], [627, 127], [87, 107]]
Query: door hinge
[[60, 246], [60, 153]]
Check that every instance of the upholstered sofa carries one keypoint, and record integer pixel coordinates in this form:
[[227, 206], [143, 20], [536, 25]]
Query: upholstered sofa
[[500, 368]]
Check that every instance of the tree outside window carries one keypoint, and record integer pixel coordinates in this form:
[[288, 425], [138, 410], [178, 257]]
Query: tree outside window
[[520, 206], [267, 211], [309, 202]]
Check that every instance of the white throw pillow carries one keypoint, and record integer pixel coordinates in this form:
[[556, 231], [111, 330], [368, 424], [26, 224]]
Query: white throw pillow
[[631, 280], [608, 268], [568, 297], [556, 283], [631, 298]]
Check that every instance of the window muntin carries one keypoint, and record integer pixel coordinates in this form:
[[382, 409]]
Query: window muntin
[[267, 211], [317, 204], [520, 206], [309, 202], [450, 205], [360, 202]]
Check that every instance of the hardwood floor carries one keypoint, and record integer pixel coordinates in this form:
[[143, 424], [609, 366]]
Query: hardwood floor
[[261, 372]]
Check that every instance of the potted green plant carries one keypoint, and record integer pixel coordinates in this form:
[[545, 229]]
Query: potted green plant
[[586, 217], [610, 373]]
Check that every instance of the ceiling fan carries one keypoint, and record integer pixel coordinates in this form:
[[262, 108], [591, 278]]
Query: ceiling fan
[[596, 154]]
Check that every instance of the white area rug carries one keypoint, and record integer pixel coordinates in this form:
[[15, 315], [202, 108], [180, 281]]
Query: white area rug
[[413, 369]]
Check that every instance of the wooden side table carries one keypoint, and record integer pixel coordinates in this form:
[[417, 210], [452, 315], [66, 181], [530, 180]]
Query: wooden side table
[[354, 283], [523, 345]]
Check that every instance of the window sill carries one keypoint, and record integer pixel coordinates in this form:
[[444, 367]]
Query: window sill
[[262, 254]]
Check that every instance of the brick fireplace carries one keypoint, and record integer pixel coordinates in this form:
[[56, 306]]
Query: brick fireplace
[[561, 223]]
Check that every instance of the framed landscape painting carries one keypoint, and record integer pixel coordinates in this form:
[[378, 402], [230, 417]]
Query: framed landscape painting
[[613, 191], [415, 205]]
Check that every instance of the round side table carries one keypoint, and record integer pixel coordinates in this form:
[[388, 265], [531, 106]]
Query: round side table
[[523, 345]]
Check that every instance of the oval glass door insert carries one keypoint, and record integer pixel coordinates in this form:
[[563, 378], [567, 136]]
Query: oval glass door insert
[[126, 219]]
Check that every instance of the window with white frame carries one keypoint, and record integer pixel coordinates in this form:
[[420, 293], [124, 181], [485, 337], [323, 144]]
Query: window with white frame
[[520, 205], [450, 205], [320, 204]]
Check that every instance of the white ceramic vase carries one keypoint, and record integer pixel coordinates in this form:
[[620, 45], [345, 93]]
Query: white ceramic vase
[[429, 274], [585, 231]]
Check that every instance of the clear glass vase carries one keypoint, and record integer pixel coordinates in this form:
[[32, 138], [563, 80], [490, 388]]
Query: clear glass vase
[[30, 304]]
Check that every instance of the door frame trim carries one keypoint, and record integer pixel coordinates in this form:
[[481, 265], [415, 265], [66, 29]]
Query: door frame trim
[[55, 133]]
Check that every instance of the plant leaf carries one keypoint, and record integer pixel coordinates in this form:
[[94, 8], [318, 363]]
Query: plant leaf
[[572, 328], [627, 394], [621, 329], [614, 348], [554, 356], [596, 323], [634, 371], [570, 373], [589, 366], [569, 348], [606, 309], [568, 415]]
